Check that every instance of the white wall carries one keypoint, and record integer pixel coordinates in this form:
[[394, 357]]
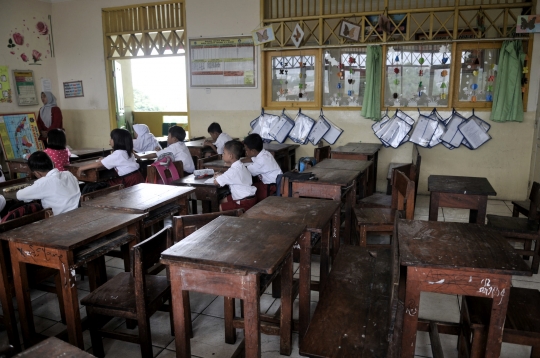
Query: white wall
[[505, 161]]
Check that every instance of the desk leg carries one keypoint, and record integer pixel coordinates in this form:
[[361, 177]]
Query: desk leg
[[183, 203], [97, 273], [181, 317], [325, 256], [22, 291], [349, 204], [285, 325], [71, 304], [479, 216], [336, 241], [305, 283], [252, 319], [434, 206], [410, 316], [6, 300], [496, 325]]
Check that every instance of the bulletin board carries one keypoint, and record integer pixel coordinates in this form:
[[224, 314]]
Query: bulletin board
[[222, 62], [19, 135], [25, 87]]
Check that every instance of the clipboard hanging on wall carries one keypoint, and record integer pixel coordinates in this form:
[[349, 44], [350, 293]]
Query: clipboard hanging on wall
[[424, 130], [264, 124], [453, 137], [334, 133], [318, 131], [282, 128], [395, 132], [302, 127], [475, 132]]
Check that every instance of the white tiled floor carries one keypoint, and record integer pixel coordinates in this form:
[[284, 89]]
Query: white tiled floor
[[207, 311]]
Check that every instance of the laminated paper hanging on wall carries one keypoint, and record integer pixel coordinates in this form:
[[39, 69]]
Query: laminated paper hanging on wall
[[334, 133], [302, 127], [452, 138], [425, 128], [395, 132], [282, 128], [318, 131], [475, 132], [263, 125]]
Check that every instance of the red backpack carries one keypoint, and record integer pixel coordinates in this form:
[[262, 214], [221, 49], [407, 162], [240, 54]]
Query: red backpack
[[163, 165]]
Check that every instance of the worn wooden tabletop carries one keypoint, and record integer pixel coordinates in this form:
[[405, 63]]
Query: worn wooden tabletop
[[275, 147], [358, 148], [448, 245], [72, 229], [13, 194], [190, 180], [460, 185], [140, 198], [237, 243], [314, 213], [344, 164], [330, 177], [98, 152]]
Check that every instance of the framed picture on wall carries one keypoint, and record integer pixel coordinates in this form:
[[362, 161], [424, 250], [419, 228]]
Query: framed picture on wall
[[73, 89]]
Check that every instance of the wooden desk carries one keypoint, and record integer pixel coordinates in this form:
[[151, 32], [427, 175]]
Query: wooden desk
[[86, 153], [13, 194], [207, 192], [157, 200], [66, 242], [361, 151], [335, 185], [91, 175], [343, 164], [227, 257], [218, 165], [197, 148], [458, 259], [18, 165], [459, 192], [319, 216], [53, 347], [285, 154]]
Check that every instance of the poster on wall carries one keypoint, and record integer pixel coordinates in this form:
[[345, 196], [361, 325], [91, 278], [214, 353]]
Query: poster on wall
[[528, 24], [73, 89], [19, 135], [5, 86], [222, 62], [26, 88]]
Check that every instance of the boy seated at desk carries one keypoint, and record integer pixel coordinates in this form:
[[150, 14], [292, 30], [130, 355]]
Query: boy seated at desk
[[176, 146], [264, 166], [218, 137], [57, 190], [238, 178]]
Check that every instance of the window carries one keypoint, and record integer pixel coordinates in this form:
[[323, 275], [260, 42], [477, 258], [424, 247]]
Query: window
[[344, 77]]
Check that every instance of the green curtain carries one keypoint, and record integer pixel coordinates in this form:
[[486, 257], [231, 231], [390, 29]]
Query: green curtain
[[507, 100], [371, 107]]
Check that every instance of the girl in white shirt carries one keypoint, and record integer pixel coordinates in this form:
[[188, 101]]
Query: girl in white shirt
[[144, 140], [121, 159]]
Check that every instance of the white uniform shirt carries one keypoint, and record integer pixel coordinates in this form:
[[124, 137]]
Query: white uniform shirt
[[121, 162], [57, 190], [238, 178], [266, 166], [181, 154], [220, 142]]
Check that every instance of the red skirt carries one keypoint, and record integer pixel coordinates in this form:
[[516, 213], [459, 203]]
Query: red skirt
[[128, 179], [245, 204]]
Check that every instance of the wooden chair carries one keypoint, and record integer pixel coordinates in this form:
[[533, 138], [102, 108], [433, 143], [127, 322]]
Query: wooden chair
[[152, 175], [522, 324], [379, 200], [200, 162], [132, 295], [382, 219], [322, 153], [102, 192], [522, 207], [525, 230]]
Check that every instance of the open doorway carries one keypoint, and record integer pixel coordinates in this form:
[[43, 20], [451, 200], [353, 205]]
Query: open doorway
[[151, 91]]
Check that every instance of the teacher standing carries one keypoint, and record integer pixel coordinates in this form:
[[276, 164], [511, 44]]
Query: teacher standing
[[50, 116]]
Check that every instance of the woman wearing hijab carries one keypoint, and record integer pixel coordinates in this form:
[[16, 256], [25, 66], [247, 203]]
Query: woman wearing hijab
[[50, 116], [144, 140]]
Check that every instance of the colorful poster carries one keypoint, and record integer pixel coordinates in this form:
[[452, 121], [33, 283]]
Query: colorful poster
[[19, 135], [5, 87], [26, 88]]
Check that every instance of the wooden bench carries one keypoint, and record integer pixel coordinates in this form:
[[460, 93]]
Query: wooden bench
[[357, 309]]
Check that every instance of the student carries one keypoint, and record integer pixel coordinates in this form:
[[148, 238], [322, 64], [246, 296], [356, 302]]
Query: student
[[121, 159], [144, 140], [57, 190], [56, 148], [238, 178], [218, 137], [264, 166], [176, 146]]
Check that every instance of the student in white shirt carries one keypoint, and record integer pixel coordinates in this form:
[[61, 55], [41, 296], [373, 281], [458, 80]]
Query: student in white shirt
[[264, 166], [218, 137], [57, 190], [176, 146], [238, 178], [121, 159], [144, 140]]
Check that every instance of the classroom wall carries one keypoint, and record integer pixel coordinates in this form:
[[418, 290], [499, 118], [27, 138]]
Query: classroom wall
[[78, 41]]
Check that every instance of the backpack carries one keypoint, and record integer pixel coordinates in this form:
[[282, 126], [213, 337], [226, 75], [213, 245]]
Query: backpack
[[163, 164], [306, 163]]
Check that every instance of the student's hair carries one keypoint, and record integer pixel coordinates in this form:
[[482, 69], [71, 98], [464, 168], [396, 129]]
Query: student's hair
[[235, 148], [56, 139], [40, 162], [178, 133], [214, 128], [254, 141], [122, 140]]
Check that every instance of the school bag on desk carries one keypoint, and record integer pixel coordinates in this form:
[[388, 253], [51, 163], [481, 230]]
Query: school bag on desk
[[292, 175]]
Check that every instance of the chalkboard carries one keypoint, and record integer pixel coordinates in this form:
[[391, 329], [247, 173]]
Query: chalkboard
[[222, 62]]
